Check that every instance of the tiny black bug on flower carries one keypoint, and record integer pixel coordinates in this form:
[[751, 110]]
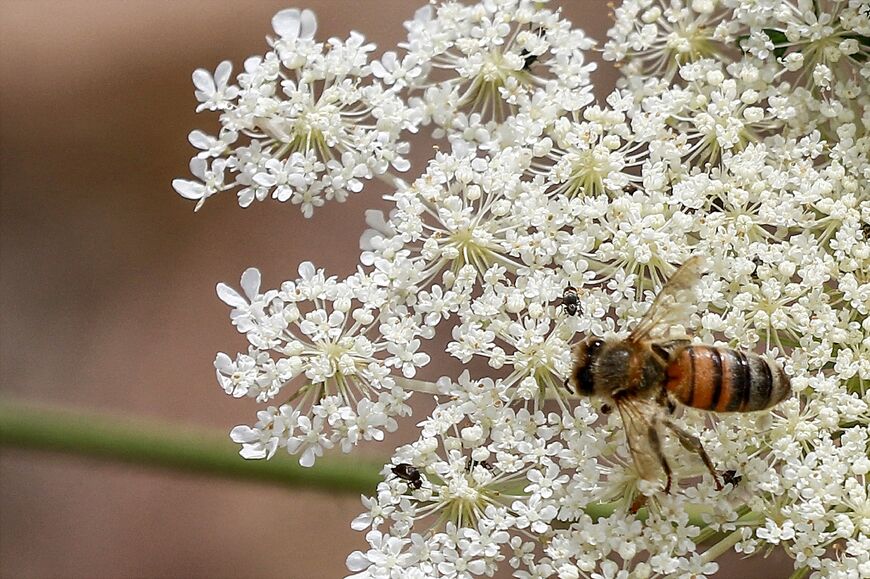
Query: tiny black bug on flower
[[730, 477], [409, 474], [570, 301], [530, 59], [473, 463]]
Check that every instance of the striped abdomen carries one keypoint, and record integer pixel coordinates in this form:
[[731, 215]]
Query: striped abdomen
[[725, 380]]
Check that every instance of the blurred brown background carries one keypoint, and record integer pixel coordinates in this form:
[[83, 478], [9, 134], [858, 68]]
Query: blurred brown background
[[107, 284]]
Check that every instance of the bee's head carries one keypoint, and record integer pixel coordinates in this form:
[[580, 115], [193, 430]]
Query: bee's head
[[585, 354]]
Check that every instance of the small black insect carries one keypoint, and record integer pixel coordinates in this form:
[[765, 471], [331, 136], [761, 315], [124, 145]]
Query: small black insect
[[730, 477], [409, 474], [528, 59], [757, 262], [570, 301], [484, 463]]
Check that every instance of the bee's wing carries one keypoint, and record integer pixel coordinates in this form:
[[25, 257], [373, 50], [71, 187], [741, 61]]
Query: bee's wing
[[673, 301], [638, 418]]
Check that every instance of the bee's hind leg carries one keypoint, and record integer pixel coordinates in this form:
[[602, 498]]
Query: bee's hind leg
[[667, 402], [693, 444], [656, 445]]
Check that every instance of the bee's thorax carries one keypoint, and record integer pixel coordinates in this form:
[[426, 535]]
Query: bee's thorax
[[608, 368]]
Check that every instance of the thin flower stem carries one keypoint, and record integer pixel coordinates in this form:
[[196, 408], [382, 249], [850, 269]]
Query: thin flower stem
[[151, 444], [800, 573], [416, 385], [389, 179], [722, 546], [154, 445]]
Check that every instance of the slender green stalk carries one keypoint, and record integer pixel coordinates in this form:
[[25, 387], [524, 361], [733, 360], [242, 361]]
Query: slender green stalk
[[722, 546], [155, 445], [152, 444]]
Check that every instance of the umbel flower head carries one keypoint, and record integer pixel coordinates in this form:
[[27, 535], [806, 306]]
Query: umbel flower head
[[324, 348], [473, 66], [304, 124], [738, 132]]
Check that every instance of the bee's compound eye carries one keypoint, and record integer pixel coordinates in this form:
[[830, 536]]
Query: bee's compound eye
[[596, 344]]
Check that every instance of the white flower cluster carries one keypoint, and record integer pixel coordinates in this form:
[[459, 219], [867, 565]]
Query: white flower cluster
[[739, 132], [474, 66], [514, 486], [305, 123], [325, 348]]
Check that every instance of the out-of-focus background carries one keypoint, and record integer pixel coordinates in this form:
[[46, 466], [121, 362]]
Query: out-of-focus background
[[107, 285]]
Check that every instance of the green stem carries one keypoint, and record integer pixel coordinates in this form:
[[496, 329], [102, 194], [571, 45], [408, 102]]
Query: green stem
[[722, 546], [153, 444]]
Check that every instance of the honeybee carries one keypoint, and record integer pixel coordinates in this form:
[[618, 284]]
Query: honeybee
[[645, 375], [410, 474]]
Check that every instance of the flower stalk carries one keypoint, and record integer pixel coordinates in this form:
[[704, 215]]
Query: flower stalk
[[154, 445], [92, 436]]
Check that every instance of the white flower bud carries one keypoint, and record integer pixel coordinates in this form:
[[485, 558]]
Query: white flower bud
[[472, 435], [515, 303], [651, 15], [715, 77], [753, 114]]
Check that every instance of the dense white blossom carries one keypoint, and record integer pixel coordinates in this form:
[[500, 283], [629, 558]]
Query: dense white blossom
[[323, 348], [470, 67], [738, 131], [306, 122]]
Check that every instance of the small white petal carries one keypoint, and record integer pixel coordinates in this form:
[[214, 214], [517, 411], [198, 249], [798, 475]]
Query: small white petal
[[309, 24], [307, 458], [198, 167], [251, 282], [249, 452], [222, 73], [408, 370], [188, 189], [265, 179], [306, 270], [222, 361], [199, 139], [243, 433], [375, 219], [230, 296], [357, 561], [362, 522], [203, 80], [252, 63], [286, 23], [378, 69]]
